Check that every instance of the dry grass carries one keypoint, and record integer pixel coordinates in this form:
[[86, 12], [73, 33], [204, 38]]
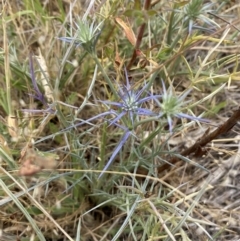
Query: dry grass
[[196, 199]]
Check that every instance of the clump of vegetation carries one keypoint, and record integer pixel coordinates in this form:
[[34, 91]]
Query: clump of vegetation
[[112, 114]]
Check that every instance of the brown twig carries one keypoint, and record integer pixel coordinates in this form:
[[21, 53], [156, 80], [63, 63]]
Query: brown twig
[[136, 51], [205, 139]]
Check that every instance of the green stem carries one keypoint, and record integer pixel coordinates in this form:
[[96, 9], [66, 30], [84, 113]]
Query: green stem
[[105, 76], [7, 69]]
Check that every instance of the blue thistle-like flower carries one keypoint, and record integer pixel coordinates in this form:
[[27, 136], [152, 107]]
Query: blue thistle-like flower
[[130, 102]]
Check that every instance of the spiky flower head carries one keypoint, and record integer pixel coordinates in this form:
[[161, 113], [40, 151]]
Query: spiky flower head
[[172, 106], [196, 9], [86, 35], [130, 102]]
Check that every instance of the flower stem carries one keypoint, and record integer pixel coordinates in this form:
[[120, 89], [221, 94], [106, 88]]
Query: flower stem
[[105, 76]]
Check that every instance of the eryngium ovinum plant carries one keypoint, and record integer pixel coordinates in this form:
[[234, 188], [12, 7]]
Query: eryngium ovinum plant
[[130, 108]]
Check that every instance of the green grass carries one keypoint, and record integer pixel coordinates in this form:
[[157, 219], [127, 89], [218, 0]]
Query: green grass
[[80, 55]]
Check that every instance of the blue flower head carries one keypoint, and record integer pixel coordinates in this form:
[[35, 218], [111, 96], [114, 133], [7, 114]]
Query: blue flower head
[[130, 102]]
